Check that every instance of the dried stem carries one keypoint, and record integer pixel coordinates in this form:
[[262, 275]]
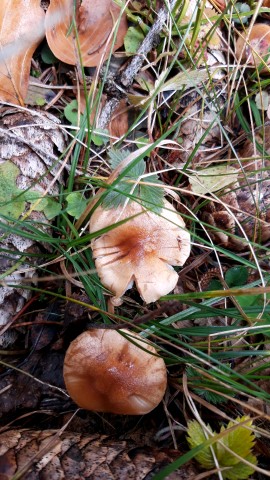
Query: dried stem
[[134, 66]]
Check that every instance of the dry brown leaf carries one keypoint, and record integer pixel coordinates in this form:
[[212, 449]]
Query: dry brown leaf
[[21, 30], [118, 125], [95, 22]]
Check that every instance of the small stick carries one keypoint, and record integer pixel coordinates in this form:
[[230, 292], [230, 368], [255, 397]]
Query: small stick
[[151, 40], [132, 69]]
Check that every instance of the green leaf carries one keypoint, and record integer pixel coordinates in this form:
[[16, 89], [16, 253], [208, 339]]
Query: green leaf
[[187, 78], [117, 156], [198, 382], [240, 441], [214, 285], [76, 204], [196, 437], [236, 276], [71, 112], [241, 471], [133, 40], [100, 137], [114, 199], [140, 141], [52, 209], [47, 55], [212, 179], [34, 197], [12, 203], [47, 205], [152, 196]]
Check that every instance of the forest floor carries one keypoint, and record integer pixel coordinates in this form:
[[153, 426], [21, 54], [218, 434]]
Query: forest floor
[[135, 194]]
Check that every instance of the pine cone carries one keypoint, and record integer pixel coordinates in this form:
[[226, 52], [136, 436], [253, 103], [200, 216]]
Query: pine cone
[[248, 203], [28, 165]]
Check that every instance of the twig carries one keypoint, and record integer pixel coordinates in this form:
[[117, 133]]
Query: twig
[[128, 75], [151, 40]]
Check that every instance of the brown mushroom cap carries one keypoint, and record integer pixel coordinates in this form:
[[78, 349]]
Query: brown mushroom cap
[[141, 250], [105, 372], [253, 45]]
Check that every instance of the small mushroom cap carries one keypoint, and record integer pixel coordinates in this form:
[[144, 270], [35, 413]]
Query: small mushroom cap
[[255, 45], [141, 250], [105, 372]]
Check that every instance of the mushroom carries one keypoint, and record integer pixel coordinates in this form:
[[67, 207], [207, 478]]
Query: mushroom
[[142, 249], [105, 372], [253, 46]]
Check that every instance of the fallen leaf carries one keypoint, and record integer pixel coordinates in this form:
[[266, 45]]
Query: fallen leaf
[[94, 39], [213, 179], [38, 93], [21, 30], [118, 125], [262, 100]]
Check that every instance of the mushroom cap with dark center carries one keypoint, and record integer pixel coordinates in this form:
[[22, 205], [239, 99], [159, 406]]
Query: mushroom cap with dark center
[[105, 372], [142, 249]]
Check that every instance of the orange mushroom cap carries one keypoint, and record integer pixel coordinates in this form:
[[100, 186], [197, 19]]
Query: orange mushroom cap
[[105, 372], [254, 45], [141, 250]]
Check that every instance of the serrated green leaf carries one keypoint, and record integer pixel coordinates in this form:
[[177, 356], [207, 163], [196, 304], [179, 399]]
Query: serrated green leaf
[[12, 203], [197, 379], [241, 471], [117, 156], [76, 204], [116, 198], [133, 39], [240, 441], [142, 141], [152, 196], [196, 437]]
